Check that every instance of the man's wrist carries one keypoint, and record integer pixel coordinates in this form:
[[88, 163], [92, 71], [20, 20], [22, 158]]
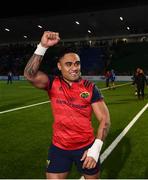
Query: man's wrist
[[94, 150], [40, 50]]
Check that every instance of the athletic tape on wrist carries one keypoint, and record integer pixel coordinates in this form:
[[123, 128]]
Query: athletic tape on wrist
[[94, 150], [40, 50]]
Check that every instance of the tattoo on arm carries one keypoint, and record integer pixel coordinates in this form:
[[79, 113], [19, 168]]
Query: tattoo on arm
[[104, 131], [33, 65]]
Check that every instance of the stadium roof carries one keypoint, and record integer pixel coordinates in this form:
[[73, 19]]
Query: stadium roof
[[26, 22]]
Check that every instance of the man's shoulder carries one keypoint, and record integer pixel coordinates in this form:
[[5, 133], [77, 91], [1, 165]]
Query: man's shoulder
[[87, 83]]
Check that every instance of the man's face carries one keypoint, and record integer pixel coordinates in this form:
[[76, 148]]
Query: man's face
[[69, 65]]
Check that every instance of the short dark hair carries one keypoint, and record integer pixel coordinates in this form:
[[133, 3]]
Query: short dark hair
[[65, 50]]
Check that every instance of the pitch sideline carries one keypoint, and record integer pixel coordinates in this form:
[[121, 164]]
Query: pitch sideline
[[24, 107]]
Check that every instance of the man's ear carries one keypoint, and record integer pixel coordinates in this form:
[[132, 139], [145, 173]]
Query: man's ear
[[59, 66]]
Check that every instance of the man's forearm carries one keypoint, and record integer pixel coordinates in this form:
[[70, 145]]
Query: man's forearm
[[103, 130], [32, 66], [94, 150]]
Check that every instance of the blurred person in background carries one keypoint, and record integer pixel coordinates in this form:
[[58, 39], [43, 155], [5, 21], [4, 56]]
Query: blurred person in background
[[140, 81], [134, 77], [107, 77], [112, 78], [9, 77]]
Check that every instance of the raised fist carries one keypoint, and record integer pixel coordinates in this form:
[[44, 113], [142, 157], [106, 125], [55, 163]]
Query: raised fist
[[49, 39]]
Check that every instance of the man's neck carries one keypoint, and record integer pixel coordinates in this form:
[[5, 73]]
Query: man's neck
[[71, 82]]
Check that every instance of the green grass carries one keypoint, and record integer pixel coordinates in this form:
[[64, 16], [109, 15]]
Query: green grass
[[26, 134]]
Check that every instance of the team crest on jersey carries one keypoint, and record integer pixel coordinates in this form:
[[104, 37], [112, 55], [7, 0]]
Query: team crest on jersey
[[84, 94]]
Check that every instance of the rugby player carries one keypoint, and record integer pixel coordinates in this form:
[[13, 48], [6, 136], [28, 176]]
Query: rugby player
[[73, 100]]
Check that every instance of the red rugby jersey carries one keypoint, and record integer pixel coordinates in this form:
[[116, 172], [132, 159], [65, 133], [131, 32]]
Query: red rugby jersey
[[71, 108]]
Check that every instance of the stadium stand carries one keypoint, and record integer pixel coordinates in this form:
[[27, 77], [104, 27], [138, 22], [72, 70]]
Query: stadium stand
[[95, 60]]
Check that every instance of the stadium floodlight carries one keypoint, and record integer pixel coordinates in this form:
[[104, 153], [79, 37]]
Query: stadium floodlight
[[77, 22], [121, 18], [39, 26], [25, 37], [6, 29]]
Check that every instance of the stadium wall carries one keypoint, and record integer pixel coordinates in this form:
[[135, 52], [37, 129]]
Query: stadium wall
[[102, 78], [91, 78]]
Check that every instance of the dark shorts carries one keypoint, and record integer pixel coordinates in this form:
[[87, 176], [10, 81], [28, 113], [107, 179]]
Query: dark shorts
[[60, 161]]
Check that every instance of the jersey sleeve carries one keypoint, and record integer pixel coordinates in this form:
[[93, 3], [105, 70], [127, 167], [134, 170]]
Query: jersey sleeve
[[96, 95]]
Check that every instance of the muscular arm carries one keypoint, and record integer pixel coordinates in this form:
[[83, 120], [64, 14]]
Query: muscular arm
[[91, 155], [102, 114], [32, 66], [32, 73]]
